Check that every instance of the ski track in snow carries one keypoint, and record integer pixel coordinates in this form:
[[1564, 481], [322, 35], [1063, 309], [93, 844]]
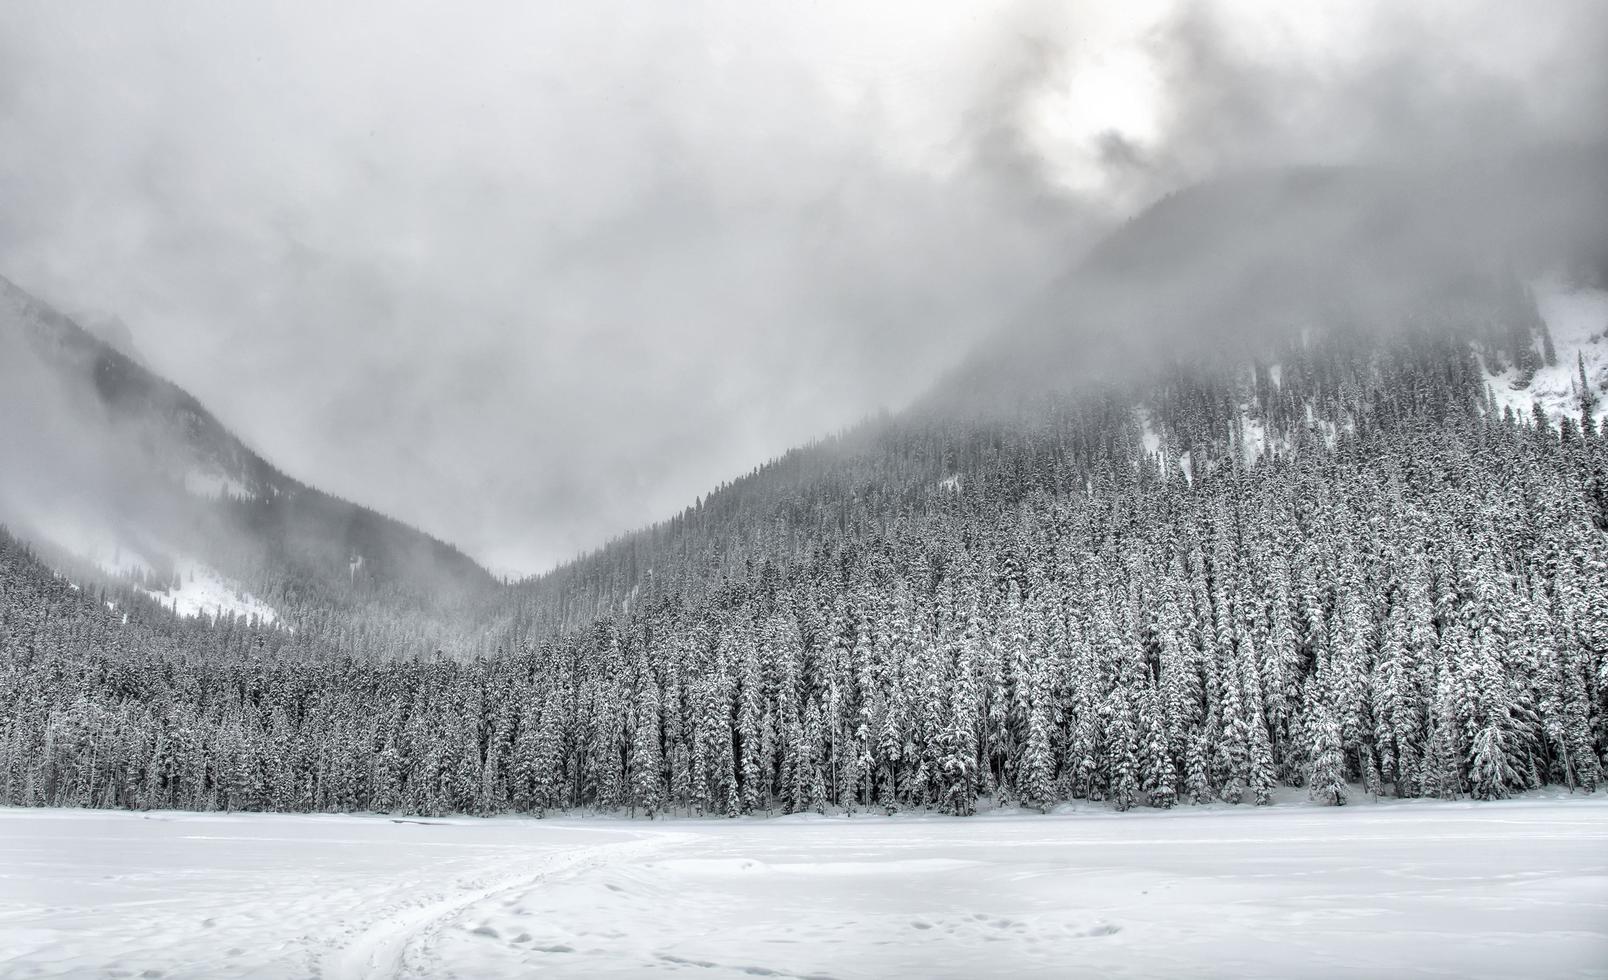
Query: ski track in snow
[[380, 952]]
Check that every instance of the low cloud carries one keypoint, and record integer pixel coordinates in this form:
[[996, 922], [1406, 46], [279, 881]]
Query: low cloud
[[529, 276]]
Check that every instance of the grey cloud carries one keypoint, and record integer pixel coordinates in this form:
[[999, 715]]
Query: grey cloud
[[1411, 84], [531, 275]]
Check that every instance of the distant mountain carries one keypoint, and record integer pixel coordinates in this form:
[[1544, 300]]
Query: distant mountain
[[1232, 269], [1299, 479], [117, 472]]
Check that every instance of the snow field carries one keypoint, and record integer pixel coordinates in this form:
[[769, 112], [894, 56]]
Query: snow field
[[1366, 892], [203, 592], [1517, 889], [98, 893]]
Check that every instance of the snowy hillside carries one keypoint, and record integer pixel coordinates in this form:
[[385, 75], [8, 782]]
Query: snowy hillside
[[185, 586]]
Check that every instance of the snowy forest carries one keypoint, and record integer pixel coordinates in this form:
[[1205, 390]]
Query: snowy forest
[[1348, 569]]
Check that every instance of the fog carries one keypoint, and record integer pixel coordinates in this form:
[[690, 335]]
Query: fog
[[531, 275]]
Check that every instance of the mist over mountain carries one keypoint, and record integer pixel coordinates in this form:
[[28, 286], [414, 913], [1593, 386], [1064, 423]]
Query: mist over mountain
[[548, 277], [127, 475], [124, 477], [1221, 287], [1232, 268]]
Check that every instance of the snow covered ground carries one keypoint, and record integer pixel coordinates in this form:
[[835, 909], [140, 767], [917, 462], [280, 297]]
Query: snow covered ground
[[1516, 889]]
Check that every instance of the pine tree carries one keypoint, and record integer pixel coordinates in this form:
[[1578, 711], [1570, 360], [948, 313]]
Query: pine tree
[[1197, 781], [958, 744], [1491, 772], [1327, 781], [1160, 778], [1036, 775], [1123, 739]]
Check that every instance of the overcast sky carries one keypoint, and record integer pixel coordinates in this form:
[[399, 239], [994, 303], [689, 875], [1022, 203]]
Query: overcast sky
[[530, 275]]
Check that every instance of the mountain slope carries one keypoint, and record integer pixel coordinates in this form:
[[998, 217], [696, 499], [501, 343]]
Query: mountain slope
[[1225, 286], [117, 470]]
